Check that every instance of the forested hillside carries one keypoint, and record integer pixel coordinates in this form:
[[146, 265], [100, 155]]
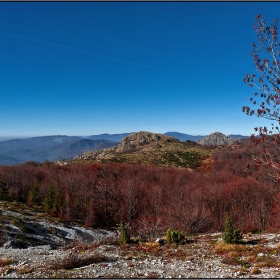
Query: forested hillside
[[149, 199]]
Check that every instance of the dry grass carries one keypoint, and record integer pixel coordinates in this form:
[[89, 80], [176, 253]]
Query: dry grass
[[243, 271], [233, 254], [255, 270], [24, 270], [75, 260], [6, 261], [6, 268], [252, 257], [80, 246], [153, 249], [258, 256], [267, 261], [151, 244], [230, 261], [221, 248]]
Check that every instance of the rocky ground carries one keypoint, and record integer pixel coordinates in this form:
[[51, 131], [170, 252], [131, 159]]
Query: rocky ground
[[204, 256], [37, 246]]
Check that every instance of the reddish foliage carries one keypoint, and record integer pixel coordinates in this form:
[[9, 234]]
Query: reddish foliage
[[152, 199]]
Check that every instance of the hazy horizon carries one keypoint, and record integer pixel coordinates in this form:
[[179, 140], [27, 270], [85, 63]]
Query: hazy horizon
[[4, 138]]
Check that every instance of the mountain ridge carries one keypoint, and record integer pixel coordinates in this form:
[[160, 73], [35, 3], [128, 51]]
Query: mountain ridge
[[57, 147], [150, 149], [49, 148]]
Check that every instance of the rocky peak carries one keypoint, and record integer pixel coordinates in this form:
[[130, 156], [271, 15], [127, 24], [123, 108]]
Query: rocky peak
[[216, 138], [137, 139]]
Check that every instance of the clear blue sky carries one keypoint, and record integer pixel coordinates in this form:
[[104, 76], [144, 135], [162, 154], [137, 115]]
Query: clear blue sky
[[86, 68]]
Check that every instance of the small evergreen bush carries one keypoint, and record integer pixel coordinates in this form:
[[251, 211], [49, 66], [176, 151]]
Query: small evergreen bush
[[4, 192], [231, 235], [174, 236], [169, 236], [34, 194], [50, 200], [124, 236]]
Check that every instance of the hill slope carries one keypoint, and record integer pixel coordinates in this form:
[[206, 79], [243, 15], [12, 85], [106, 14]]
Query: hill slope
[[110, 137], [183, 137], [57, 147], [47, 148], [70, 149], [6, 160], [36, 142], [150, 149]]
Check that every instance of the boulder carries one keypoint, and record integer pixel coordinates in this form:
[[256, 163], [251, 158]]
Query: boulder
[[161, 241], [12, 244], [216, 138]]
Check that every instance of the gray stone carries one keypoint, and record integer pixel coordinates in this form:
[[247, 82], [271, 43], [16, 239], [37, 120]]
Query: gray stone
[[134, 140], [12, 244], [43, 247], [161, 241]]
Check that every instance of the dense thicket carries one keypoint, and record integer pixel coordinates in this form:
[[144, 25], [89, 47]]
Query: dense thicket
[[149, 199]]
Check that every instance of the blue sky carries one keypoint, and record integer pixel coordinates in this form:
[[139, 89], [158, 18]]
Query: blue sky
[[84, 68]]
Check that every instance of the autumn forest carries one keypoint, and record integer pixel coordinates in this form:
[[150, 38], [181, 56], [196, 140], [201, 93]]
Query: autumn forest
[[149, 199]]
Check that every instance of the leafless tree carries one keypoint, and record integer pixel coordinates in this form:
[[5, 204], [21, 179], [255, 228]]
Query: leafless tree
[[265, 148]]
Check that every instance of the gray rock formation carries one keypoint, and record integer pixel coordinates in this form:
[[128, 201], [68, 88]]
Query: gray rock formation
[[43, 233], [216, 138], [131, 141]]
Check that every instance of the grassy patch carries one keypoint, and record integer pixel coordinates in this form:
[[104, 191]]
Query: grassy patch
[[189, 159], [267, 261], [221, 248], [258, 256]]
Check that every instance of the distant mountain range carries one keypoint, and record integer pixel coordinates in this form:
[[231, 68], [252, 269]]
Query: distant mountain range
[[57, 147], [49, 148], [184, 137], [110, 137]]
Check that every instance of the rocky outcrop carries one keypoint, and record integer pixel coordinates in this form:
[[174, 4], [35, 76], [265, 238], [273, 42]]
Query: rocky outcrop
[[97, 155], [40, 231], [12, 244], [133, 141], [216, 138]]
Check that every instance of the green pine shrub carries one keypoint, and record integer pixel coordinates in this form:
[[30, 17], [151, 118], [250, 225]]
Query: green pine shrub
[[50, 200], [174, 237], [124, 235], [4, 192], [231, 235], [169, 236], [34, 194]]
